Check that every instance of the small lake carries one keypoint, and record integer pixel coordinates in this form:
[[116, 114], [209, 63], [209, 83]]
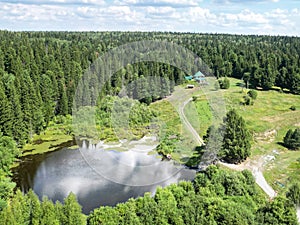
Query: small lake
[[98, 176]]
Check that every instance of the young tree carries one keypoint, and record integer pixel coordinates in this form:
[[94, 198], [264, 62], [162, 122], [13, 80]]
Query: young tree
[[34, 207], [236, 141], [225, 83], [48, 215]]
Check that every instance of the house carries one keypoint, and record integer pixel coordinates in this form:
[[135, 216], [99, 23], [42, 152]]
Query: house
[[200, 78]]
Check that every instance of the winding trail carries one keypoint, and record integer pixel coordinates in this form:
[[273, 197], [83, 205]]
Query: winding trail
[[255, 166], [188, 124]]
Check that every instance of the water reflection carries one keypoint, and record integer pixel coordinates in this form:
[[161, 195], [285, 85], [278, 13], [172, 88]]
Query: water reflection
[[100, 177]]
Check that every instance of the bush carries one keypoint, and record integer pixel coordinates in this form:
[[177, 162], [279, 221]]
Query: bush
[[293, 108], [252, 94], [294, 193], [225, 83], [248, 100]]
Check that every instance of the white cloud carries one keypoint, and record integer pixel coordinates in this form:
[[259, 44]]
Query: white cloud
[[296, 11], [171, 3], [176, 15]]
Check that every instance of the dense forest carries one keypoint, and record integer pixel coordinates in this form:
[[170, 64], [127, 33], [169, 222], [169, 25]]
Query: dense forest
[[40, 72], [215, 197]]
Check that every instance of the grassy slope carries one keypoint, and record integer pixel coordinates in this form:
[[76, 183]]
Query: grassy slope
[[199, 114], [269, 119]]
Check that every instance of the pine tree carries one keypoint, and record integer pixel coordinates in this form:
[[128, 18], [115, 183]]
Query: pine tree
[[72, 211], [236, 141], [35, 210], [48, 215], [292, 139], [6, 113]]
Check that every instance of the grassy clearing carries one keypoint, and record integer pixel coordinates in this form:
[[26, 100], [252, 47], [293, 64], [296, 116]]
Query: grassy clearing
[[52, 138], [270, 109], [283, 169], [269, 119]]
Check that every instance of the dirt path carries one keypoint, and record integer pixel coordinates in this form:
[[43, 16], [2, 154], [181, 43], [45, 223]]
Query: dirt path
[[256, 167], [188, 124]]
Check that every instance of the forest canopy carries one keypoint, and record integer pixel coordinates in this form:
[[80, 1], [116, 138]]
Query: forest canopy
[[40, 71]]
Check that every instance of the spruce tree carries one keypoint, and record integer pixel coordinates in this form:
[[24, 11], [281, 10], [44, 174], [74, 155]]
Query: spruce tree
[[72, 211], [6, 113], [292, 139], [236, 141]]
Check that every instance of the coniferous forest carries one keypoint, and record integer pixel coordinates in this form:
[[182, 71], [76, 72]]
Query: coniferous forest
[[39, 74], [40, 70]]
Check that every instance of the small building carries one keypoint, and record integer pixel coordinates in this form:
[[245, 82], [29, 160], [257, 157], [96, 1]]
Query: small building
[[188, 77], [200, 78], [190, 86]]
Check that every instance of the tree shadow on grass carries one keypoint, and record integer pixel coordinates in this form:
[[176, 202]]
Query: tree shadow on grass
[[194, 161], [280, 143]]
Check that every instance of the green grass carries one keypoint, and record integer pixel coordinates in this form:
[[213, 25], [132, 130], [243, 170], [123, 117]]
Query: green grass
[[170, 122], [199, 115], [269, 119], [49, 140], [283, 169], [270, 109]]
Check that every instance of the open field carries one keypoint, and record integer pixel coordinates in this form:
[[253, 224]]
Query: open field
[[268, 119]]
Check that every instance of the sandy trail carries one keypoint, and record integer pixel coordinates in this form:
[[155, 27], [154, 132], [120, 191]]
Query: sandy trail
[[188, 124]]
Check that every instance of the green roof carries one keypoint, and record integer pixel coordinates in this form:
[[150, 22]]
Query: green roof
[[199, 74], [188, 77]]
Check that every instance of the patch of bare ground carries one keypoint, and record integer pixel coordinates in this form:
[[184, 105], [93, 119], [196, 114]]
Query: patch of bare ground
[[267, 136]]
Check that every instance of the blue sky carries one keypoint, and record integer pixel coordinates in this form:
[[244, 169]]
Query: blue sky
[[274, 17]]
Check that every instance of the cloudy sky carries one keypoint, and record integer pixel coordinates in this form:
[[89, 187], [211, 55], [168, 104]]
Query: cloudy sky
[[213, 16]]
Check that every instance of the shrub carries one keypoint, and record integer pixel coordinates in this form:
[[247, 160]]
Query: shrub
[[248, 100], [225, 83], [252, 94], [293, 108]]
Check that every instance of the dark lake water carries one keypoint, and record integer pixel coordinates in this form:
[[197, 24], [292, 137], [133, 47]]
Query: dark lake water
[[97, 176]]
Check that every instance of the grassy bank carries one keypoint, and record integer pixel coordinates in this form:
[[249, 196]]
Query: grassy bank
[[57, 135]]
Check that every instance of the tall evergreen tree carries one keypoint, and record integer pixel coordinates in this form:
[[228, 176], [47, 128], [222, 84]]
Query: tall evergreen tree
[[72, 211], [236, 141]]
